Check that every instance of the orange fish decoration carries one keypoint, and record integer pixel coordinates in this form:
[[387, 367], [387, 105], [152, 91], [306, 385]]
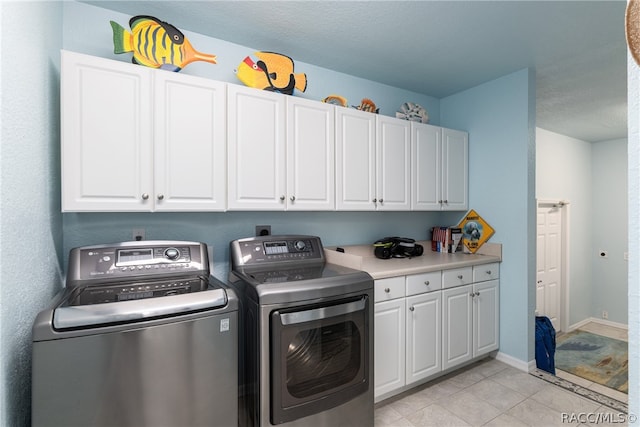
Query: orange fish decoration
[[271, 71], [156, 44]]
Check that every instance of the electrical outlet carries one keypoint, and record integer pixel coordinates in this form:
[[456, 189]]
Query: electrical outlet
[[263, 230], [605, 314], [137, 234]]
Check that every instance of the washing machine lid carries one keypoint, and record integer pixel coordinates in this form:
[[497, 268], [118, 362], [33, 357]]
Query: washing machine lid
[[134, 302]]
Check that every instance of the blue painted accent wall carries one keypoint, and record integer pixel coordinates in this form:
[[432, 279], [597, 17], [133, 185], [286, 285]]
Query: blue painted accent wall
[[30, 218], [500, 118]]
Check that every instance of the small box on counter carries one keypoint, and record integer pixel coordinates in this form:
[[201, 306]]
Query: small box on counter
[[446, 239]]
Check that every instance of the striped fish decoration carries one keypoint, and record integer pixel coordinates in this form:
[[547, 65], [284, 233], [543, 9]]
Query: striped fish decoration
[[156, 44]]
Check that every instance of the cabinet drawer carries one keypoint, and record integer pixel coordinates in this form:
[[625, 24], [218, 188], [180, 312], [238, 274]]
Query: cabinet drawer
[[485, 272], [426, 282], [456, 277], [388, 289]]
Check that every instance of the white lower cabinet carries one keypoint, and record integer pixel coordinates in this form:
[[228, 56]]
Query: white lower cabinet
[[428, 323]]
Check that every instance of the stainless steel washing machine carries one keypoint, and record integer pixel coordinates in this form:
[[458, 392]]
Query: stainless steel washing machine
[[308, 335], [141, 335]]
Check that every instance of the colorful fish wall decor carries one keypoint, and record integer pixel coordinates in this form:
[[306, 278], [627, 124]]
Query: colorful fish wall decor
[[336, 100], [367, 105], [271, 71], [156, 44]]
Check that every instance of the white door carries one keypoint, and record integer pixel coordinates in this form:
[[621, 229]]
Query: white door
[[549, 263], [426, 167], [455, 170], [106, 135], [393, 171], [190, 143], [389, 346], [424, 320], [256, 149], [355, 160], [310, 155]]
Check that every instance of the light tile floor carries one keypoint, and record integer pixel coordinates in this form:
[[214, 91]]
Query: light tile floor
[[491, 393]]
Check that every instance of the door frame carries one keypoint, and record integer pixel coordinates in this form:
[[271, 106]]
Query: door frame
[[565, 214]]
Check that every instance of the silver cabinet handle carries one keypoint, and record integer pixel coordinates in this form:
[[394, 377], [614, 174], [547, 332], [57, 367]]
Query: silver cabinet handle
[[292, 198], [375, 200], [387, 290], [381, 200], [460, 276], [411, 308], [477, 293], [472, 294], [160, 196], [281, 198], [488, 271], [440, 201], [145, 196], [426, 282]]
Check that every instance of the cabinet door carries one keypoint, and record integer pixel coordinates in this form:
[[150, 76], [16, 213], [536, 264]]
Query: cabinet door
[[424, 326], [190, 143], [426, 167], [389, 345], [310, 155], [106, 135], [457, 332], [355, 159], [455, 167], [393, 171], [486, 334], [256, 149]]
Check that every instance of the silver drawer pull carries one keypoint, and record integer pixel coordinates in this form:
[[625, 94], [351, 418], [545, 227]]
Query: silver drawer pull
[[472, 294], [426, 282], [460, 276], [387, 290], [411, 308], [488, 271]]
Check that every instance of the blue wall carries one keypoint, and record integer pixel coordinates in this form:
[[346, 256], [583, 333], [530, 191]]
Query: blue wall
[[500, 118], [31, 242]]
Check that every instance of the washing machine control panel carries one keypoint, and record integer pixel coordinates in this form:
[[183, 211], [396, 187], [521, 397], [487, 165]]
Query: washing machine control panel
[[136, 260]]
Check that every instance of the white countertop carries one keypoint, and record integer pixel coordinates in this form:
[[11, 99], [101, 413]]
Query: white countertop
[[361, 257]]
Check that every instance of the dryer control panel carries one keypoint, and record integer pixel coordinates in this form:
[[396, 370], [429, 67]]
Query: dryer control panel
[[276, 250]]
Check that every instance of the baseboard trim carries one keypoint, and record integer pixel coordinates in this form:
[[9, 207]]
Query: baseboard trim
[[516, 363], [600, 321]]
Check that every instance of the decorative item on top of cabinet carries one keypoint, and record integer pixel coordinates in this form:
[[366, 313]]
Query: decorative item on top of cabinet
[[475, 231], [270, 71], [412, 112], [156, 44]]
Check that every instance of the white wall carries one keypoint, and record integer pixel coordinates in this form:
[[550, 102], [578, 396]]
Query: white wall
[[31, 224], [593, 178], [563, 172]]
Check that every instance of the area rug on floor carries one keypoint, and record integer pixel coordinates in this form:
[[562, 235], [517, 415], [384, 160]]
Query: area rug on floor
[[594, 357]]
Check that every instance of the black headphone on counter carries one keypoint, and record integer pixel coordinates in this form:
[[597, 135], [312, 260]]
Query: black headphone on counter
[[397, 247]]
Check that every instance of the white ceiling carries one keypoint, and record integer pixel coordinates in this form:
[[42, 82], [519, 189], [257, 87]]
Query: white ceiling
[[439, 48]]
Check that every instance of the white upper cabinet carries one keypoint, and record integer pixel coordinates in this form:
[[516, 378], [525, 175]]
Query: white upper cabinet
[[440, 162], [455, 170], [393, 154], [310, 155], [190, 143], [355, 160], [106, 131], [426, 166], [281, 152], [256, 149], [137, 139]]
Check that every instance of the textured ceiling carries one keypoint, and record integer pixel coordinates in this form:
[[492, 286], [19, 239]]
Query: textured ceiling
[[439, 48]]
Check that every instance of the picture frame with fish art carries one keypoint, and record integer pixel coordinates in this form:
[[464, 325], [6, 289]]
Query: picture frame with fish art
[[271, 71], [156, 44]]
